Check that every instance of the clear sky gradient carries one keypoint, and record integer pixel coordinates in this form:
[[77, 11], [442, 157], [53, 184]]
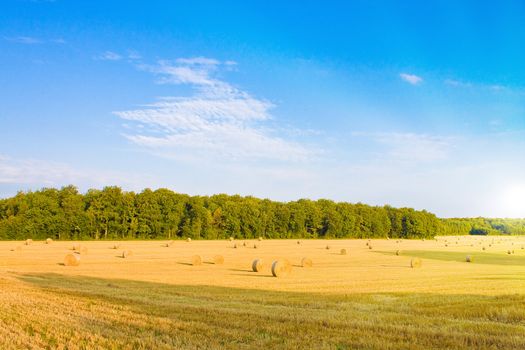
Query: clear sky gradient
[[408, 103]]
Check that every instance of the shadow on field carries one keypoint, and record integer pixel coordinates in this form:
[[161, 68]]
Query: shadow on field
[[240, 270], [187, 316]]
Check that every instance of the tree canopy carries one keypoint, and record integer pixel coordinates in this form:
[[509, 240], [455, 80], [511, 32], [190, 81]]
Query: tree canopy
[[112, 213]]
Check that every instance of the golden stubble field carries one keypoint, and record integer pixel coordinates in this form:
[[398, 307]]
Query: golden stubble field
[[367, 299], [361, 270]]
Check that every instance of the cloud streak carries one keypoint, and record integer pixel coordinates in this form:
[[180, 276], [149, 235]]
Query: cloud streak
[[411, 78], [217, 120], [108, 56], [35, 172], [412, 147]]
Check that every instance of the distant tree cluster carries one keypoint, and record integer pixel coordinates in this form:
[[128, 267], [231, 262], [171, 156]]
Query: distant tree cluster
[[484, 226], [111, 213]]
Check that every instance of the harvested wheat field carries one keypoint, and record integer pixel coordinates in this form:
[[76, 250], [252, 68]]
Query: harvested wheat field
[[160, 298]]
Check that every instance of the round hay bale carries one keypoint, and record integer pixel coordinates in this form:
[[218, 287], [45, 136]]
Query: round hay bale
[[49, 241], [367, 243], [218, 260], [196, 260], [257, 265], [415, 263], [370, 247], [306, 262], [469, 258], [231, 239], [235, 246], [188, 239], [281, 268], [83, 250], [398, 252], [72, 260], [509, 252], [28, 241], [255, 246], [115, 246], [342, 251], [260, 238], [327, 247], [298, 242], [126, 253], [76, 246], [244, 244], [483, 248]]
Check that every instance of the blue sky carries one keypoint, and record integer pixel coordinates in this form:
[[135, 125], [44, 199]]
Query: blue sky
[[418, 104]]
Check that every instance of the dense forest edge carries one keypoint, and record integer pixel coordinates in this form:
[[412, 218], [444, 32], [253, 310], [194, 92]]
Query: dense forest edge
[[111, 213]]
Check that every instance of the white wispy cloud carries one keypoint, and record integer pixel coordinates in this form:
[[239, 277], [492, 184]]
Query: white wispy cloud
[[411, 78], [218, 120], [108, 56], [411, 146], [40, 173], [27, 40], [134, 55], [457, 83]]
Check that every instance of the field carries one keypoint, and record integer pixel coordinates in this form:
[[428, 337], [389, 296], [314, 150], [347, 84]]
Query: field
[[367, 299]]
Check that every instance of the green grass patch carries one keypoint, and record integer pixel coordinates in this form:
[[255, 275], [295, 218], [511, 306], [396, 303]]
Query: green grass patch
[[480, 257]]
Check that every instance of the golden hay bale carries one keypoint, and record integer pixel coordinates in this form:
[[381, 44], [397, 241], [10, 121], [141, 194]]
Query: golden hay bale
[[298, 242], [509, 252], [469, 259], [126, 253], [260, 238], [235, 245], [398, 252], [218, 260], [49, 241], [72, 260], [342, 251], [281, 268], [231, 239], [327, 247], [28, 241], [483, 248], [415, 263], [115, 246], [255, 246], [367, 243], [76, 246], [188, 239], [84, 250], [196, 260], [258, 265], [369, 247], [306, 262], [244, 244]]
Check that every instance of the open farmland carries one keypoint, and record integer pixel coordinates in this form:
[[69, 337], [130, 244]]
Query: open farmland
[[368, 298]]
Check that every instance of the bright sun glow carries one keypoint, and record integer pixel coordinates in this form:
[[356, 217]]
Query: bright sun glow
[[514, 201]]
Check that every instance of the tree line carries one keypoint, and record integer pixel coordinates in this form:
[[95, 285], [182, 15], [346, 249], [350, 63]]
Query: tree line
[[111, 213]]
